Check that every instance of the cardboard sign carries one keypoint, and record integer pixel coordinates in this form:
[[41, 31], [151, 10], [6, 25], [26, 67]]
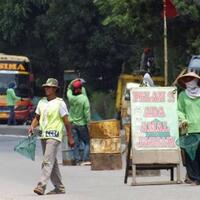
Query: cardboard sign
[[154, 119]]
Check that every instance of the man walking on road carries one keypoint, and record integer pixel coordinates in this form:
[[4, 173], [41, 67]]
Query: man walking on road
[[79, 116], [51, 115]]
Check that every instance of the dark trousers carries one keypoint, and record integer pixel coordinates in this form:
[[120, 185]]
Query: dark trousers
[[193, 166], [11, 118], [81, 135]]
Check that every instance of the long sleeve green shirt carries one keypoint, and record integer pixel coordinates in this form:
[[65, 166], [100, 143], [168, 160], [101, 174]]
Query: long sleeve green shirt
[[11, 97], [79, 107], [189, 111]]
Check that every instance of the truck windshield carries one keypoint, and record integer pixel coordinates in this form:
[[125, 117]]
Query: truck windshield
[[22, 84]]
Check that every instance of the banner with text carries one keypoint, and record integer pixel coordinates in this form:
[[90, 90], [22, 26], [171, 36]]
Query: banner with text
[[154, 120]]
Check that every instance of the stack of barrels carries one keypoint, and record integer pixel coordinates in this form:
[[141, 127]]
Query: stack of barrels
[[105, 153]]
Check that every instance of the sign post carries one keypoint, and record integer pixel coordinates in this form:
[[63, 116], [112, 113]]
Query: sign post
[[154, 128]]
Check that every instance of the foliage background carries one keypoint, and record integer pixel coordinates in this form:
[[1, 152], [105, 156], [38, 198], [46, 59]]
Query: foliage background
[[98, 38]]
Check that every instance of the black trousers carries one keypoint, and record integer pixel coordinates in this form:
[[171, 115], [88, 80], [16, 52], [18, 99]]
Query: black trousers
[[193, 166], [11, 118]]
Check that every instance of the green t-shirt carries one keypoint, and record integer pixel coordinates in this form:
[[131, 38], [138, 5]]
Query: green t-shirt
[[79, 107]]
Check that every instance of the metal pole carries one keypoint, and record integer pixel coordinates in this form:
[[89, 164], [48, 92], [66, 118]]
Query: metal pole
[[165, 44]]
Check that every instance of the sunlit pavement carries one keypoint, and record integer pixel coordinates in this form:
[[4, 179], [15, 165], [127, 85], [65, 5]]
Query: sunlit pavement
[[18, 177]]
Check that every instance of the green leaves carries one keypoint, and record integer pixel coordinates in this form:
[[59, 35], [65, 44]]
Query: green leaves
[[196, 45], [97, 37], [142, 19]]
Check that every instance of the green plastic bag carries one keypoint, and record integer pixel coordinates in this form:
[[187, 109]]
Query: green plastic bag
[[190, 143], [27, 147]]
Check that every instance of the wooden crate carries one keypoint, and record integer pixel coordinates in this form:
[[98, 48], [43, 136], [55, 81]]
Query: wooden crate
[[105, 161]]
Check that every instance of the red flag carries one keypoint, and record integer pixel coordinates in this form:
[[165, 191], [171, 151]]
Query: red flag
[[170, 9]]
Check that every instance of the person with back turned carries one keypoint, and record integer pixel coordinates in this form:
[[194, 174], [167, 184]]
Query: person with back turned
[[79, 116]]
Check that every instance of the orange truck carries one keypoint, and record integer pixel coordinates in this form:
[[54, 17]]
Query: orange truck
[[16, 69]]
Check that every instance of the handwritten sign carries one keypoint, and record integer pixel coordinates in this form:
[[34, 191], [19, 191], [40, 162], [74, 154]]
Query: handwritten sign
[[154, 119]]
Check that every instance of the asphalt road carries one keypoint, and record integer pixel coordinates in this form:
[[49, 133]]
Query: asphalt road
[[18, 177]]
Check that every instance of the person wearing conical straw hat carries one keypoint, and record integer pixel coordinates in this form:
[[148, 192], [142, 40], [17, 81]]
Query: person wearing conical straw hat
[[189, 118]]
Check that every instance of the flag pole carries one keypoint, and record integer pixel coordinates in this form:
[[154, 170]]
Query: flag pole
[[165, 44]]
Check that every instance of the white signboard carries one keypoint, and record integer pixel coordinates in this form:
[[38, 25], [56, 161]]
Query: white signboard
[[154, 119]]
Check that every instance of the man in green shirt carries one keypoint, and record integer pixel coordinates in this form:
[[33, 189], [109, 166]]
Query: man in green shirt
[[11, 101], [79, 116]]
